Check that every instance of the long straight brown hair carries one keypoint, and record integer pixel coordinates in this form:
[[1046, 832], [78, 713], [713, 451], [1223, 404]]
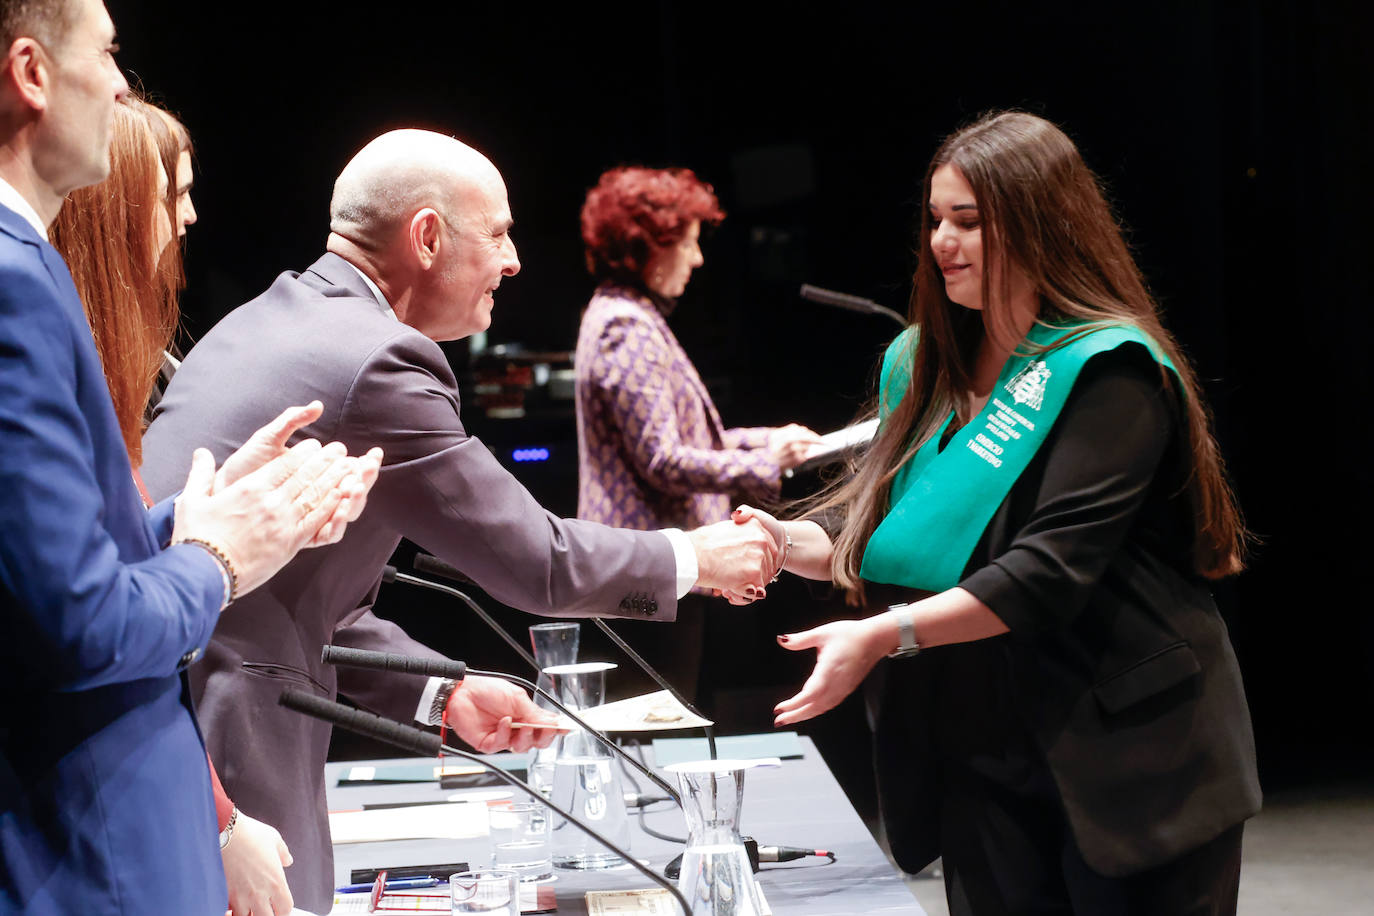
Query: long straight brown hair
[[1042, 213], [106, 233]]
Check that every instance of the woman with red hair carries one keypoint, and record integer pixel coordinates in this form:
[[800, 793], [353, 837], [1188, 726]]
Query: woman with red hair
[[117, 238], [652, 450]]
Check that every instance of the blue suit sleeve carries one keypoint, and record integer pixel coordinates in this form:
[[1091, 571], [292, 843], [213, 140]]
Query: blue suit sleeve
[[162, 518], [88, 598]]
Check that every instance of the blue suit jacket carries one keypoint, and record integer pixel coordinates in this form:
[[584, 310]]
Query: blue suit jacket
[[105, 802]]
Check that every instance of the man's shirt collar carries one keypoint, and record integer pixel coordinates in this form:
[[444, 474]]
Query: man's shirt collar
[[372, 286], [16, 202]]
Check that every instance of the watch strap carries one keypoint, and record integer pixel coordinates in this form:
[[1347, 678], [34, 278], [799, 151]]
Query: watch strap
[[906, 632], [436, 708]]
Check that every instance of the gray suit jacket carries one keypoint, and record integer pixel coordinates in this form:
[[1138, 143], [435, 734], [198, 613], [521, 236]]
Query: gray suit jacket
[[322, 334]]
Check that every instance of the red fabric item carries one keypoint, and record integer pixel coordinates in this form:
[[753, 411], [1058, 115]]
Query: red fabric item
[[142, 490], [223, 805]]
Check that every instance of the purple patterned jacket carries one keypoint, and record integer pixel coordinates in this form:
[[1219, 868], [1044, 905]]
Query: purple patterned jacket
[[651, 449]]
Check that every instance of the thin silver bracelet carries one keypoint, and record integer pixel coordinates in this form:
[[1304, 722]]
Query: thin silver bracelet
[[786, 551]]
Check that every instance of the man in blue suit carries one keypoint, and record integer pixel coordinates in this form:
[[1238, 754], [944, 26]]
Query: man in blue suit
[[105, 803]]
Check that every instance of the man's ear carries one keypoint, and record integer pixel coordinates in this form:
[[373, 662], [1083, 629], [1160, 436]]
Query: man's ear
[[28, 70], [426, 233]]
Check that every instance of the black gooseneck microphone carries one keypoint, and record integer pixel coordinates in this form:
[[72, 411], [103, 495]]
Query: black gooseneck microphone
[[846, 301], [385, 661], [429, 745], [434, 566], [426, 563]]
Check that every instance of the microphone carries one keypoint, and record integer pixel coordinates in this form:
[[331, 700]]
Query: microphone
[[385, 661], [846, 301], [382, 661], [438, 567], [420, 742], [428, 563], [413, 739]]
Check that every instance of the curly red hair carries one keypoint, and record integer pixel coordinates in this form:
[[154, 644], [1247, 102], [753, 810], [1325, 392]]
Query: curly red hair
[[634, 210]]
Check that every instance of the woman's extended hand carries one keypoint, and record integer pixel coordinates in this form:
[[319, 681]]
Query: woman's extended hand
[[846, 651]]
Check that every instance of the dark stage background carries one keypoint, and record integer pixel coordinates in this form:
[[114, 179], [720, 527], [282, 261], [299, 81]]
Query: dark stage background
[[1234, 142]]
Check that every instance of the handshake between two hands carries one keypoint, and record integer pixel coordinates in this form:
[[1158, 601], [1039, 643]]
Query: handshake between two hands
[[738, 558]]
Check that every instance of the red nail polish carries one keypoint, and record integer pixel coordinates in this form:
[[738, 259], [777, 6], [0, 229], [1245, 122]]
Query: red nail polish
[[783, 639]]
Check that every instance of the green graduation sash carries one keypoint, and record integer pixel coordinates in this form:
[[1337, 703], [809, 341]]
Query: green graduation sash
[[941, 501]]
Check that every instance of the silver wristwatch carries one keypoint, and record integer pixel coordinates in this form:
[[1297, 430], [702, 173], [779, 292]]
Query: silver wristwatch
[[906, 632], [436, 708]]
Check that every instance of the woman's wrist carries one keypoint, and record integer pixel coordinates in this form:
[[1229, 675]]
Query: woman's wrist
[[786, 552], [809, 556], [884, 633]]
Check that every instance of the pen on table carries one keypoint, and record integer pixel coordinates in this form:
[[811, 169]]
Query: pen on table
[[400, 884]]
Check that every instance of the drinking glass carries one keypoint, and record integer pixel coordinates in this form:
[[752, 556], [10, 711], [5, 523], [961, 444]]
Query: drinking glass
[[520, 840], [492, 891]]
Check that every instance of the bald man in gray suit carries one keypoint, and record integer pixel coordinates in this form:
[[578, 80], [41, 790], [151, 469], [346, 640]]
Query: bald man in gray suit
[[419, 242]]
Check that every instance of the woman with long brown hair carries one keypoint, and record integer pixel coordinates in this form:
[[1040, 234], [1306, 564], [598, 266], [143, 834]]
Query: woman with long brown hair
[[117, 239], [1036, 523]]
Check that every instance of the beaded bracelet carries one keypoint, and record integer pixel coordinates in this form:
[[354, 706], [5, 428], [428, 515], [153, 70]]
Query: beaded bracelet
[[226, 568]]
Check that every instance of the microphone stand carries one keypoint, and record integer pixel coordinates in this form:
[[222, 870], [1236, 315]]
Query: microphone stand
[[363, 658], [604, 739], [428, 745], [846, 301], [658, 679], [390, 574], [435, 566]]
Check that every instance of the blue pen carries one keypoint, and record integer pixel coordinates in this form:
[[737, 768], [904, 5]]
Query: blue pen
[[400, 884]]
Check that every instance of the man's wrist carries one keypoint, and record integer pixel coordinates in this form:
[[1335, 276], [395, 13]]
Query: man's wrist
[[439, 704], [685, 559], [229, 577]]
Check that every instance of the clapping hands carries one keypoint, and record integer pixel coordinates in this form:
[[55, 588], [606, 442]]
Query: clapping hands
[[268, 501]]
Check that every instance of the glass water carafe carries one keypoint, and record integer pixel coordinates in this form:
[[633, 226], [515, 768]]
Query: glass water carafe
[[716, 877], [554, 644], [586, 779]]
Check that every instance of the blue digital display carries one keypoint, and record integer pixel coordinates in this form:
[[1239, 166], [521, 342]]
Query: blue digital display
[[530, 454]]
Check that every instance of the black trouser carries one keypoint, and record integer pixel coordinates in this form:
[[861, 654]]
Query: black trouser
[[1010, 851]]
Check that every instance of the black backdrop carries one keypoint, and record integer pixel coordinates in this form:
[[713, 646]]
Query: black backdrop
[[1234, 142]]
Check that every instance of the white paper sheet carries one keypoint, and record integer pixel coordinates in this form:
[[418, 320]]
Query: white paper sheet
[[455, 821], [648, 712]]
